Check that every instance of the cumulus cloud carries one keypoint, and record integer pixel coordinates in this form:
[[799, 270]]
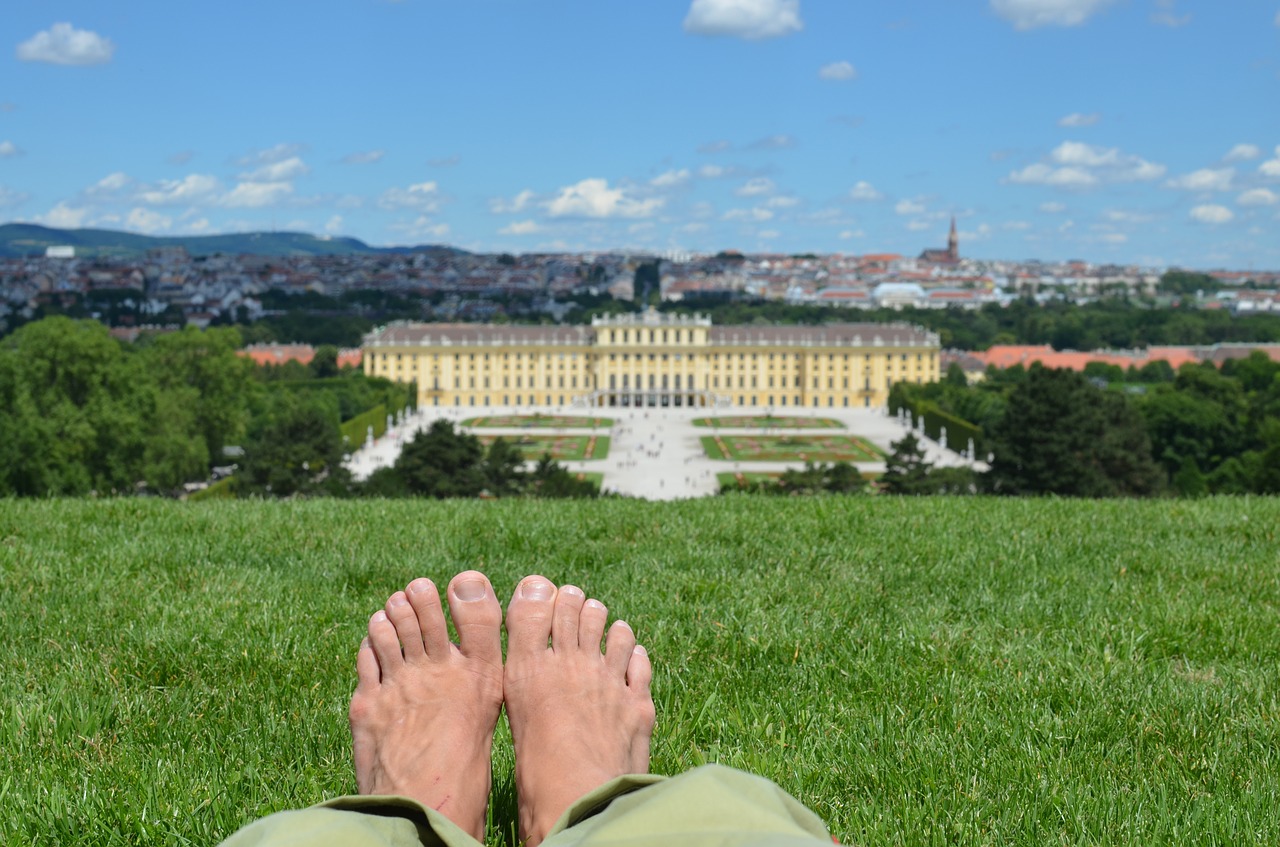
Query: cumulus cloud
[[503, 206], [253, 195], [1031, 14], [1271, 167], [713, 171], [63, 216], [284, 170], [671, 179], [335, 225], [63, 44], [1258, 197], [147, 221], [192, 189], [756, 187], [270, 155], [8, 150], [1053, 208], [909, 207], [757, 214], [1166, 14], [421, 227], [1076, 165], [866, 192], [1205, 179], [838, 72], [593, 198], [521, 228], [751, 19], [1076, 119], [783, 202], [1210, 214], [1122, 216], [918, 225], [366, 157], [424, 196], [1243, 153], [848, 234]]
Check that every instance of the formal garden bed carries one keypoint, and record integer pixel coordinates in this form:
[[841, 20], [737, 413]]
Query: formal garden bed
[[791, 448], [538, 422], [563, 448], [768, 422]]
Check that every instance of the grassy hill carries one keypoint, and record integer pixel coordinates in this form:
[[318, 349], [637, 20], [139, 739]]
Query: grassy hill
[[919, 672], [28, 239]]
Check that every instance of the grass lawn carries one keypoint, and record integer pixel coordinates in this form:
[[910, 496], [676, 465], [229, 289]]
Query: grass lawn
[[539, 422], [918, 671], [769, 421], [745, 478], [563, 448], [791, 448]]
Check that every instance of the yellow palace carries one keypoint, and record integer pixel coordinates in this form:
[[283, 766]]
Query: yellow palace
[[652, 359]]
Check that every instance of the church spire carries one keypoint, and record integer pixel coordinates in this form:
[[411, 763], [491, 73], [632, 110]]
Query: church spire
[[953, 241]]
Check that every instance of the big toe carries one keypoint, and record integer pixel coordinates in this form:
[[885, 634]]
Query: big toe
[[477, 616], [529, 616]]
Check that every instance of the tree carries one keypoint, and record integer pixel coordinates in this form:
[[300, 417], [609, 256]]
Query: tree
[[552, 479], [443, 463], [906, 471], [298, 452], [503, 468], [1061, 435], [324, 364]]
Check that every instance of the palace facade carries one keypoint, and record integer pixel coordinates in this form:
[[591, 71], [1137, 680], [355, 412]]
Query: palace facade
[[652, 359]]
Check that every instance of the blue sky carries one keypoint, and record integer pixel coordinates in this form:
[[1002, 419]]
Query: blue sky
[[1132, 131]]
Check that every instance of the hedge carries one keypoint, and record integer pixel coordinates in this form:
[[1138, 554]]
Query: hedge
[[959, 431]]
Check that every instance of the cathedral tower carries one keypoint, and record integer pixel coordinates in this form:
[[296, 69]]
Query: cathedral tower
[[953, 241]]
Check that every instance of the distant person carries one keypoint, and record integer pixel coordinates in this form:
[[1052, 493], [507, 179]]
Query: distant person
[[422, 722]]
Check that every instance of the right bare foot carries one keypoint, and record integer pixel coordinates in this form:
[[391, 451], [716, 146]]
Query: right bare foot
[[578, 718]]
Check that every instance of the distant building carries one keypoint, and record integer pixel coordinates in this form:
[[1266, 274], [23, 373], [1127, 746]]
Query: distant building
[[653, 359], [60, 251], [951, 255]]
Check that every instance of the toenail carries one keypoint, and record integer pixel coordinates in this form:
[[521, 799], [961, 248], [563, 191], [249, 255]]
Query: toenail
[[398, 599], [536, 591], [571, 590], [379, 616], [471, 589], [640, 651], [418, 586], [595, 604]]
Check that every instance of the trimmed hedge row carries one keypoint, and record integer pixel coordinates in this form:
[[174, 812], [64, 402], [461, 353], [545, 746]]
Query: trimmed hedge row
[[959, 431], [356, 430]]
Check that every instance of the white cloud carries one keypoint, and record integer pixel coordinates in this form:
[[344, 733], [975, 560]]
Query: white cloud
[[758, 214], [422, 227], [756, 187], [502, 206], [1210, 214], [63, 44], [773, 142], [768, 233], [445, 161], [254, 195], [909, 207], [593, 198], [838, 72], [1271, 167], [1053, 208], [1121, 216], [367, 157], [1076, 165], [1076, 119], [848, 234], [720, 146], [1243, 153], [284, 170], [270, 155], [866, 192], [10, 198], [521, 228], [712, 171], [147, 221], [424, 196], [335, 225], [1114, 238], [1258, 197], [8, 150], [1030, 14], [750, 19], [193, 188], [919, 226], [1166, 14], [63, 216], [1206, 179], [782, 202], [671, 179], [1018, 226]]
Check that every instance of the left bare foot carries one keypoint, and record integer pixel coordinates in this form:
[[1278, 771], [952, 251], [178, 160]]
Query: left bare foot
[[424, 710]]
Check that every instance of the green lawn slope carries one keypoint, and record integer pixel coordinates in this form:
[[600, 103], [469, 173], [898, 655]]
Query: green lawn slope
[[919, 672]]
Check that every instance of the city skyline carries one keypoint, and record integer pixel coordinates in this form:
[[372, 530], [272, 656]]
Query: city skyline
[[1108, 130]]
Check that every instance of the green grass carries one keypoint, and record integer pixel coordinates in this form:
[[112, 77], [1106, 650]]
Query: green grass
[[563, 448], [791, 448], [744, 478], [919, 672], [539, 422], [769, 421]]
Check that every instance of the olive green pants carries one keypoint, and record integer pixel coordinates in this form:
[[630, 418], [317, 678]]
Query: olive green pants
[[711, 805]]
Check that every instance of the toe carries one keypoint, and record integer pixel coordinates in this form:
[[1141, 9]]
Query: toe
[[529, 616], [402, 617], [386, 645], [477, 617], [619, 646], [425, 599], [591, 624], [565, 621], [639, 671], [368, 674]]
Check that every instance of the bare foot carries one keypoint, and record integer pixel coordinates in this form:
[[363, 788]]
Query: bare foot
[[424, 710], [578, 718]]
